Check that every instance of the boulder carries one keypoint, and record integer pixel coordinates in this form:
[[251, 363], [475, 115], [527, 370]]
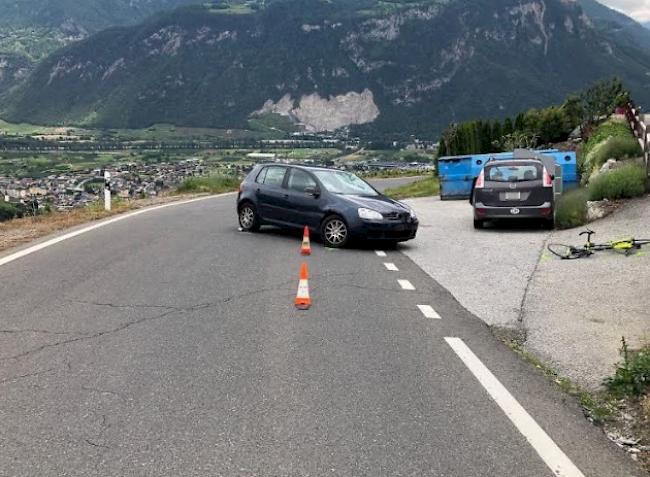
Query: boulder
[[597, 209]]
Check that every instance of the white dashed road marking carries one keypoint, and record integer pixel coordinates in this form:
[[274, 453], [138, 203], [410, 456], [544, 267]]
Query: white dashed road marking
[[380, 253], [391, 266], [551, 454], [429, 312], [406, 285]]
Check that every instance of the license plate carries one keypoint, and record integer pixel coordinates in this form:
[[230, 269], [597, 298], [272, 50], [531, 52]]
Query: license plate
[[513, 195]]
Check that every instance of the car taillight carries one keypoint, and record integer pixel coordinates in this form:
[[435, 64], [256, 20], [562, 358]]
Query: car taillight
[[241, 187], [480, 180], [547, 179]]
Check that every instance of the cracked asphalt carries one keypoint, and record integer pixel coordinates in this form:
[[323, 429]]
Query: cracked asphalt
[[168, 345]]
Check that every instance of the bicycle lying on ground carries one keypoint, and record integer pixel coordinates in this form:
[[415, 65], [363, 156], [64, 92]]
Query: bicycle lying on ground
[[569, 252]]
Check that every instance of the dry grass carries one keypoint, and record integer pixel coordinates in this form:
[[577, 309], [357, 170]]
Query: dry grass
[[20, 231]]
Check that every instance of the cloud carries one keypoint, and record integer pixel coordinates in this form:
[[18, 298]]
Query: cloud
[[637, 9]]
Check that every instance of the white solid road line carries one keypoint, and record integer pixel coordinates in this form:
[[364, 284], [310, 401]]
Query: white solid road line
[[406, 285], [104, 223], [391, 267], [429, 312], [551, 454], [380, 253]]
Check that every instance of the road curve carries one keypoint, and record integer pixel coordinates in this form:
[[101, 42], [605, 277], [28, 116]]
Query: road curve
[[167, 344]]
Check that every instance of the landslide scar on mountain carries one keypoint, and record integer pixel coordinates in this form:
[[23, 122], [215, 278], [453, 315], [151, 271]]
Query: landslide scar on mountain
[[325, 114]]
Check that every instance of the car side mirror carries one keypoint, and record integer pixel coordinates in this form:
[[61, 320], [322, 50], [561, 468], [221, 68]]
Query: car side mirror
[[312, 190]]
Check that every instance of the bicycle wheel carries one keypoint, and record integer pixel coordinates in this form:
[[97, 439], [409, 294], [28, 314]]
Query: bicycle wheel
[[567, 252]]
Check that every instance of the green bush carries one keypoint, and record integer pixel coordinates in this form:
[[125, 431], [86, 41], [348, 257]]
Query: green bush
[[7, 211], [210, 184], [614, 147], [611, 139], [627, 182], [632, 376], [571, 209]]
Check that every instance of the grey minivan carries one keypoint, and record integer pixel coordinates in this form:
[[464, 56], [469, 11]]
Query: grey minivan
[[514, 189]]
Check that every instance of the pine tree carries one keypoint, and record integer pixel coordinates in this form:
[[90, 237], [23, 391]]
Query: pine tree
[[508, 128]]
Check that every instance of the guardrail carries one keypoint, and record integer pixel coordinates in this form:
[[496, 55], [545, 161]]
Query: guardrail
[[641, 130]]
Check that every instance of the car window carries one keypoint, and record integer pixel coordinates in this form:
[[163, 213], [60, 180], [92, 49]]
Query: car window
[[513, 172], [299, 180], [274, 176], [341, 182], [262, 174]]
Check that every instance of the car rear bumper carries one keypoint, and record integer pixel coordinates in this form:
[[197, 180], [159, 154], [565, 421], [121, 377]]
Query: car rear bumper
[[399, 232], [483, 212]]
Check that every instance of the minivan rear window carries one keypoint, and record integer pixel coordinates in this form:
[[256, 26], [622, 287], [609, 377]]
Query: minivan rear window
[[513, 172]]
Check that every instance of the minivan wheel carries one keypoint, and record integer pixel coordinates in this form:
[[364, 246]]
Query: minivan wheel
[[248, 219], [334, 232], [478, 224]]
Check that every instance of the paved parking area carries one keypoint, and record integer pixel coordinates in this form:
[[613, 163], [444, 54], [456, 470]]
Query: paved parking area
[[573, 311], [576, 311], [486, 270]]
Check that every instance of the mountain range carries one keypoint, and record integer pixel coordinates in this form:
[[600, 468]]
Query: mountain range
[[32, 29], [383, 67]]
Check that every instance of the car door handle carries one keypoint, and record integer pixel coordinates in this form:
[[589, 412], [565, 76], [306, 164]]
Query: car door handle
[[286, 196]]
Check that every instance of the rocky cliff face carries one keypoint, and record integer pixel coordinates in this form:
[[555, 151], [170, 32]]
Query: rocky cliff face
[[404, 68]]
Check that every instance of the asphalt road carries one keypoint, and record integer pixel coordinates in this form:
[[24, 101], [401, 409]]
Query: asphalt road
[[168, 345]]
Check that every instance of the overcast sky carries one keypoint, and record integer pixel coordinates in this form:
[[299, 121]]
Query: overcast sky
[[637, 9]]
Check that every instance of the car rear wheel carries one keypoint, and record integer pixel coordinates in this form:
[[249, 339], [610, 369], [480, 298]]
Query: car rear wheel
[[334, 232], [478, 224], [248, 219], [549, 224]]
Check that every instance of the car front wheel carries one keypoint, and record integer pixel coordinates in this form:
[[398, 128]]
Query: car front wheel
[[248, 219], [334, 232]]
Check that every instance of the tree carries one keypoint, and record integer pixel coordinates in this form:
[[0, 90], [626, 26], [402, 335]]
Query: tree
[[486, 138], [508, 128], [520, 122], [497, 134]]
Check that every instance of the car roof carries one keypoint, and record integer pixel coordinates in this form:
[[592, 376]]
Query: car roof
[[301, 166]]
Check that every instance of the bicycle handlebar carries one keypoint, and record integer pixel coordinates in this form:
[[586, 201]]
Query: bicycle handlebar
[[588, 233]]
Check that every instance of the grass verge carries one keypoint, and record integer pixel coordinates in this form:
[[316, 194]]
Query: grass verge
[[622, 409], [208, 184], [423, 188], [571, 209], [599, 408]]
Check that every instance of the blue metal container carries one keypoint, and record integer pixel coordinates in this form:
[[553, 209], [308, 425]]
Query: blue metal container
[[457, 173]]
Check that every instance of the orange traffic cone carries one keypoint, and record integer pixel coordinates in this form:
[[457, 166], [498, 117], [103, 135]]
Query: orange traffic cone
[[303, 302], [306, 246]]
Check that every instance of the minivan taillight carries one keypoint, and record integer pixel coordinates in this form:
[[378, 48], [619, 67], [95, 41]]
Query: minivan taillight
[[547, 180], [480, 180]]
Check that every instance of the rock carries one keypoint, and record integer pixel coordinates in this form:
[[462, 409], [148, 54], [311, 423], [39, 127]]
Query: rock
[[608, 166], [597, 209]]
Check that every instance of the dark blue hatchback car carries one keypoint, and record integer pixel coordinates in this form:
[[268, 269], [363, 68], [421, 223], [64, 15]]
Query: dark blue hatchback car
[[336, 204]]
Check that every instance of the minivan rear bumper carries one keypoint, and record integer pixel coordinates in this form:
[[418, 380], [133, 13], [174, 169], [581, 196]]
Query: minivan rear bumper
[[483, 212]]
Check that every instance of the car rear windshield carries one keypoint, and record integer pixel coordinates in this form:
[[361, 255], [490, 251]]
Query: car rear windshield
[[340, 182], [513, 172]]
